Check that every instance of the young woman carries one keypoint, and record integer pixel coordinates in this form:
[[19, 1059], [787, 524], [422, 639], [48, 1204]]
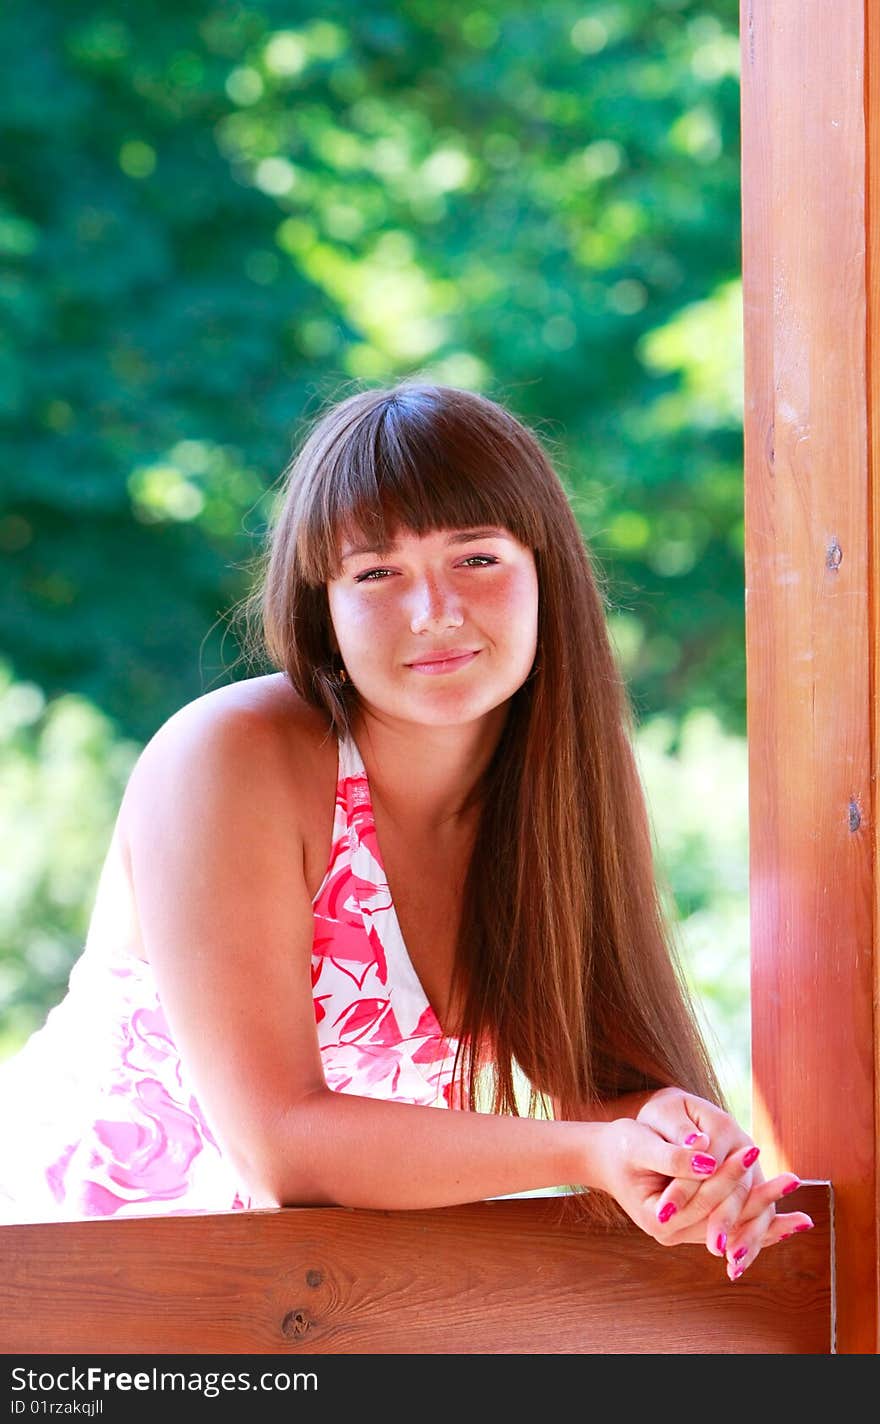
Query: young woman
[[410, 871]]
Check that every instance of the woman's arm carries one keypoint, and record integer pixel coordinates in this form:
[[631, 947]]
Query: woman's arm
[[216, 851]]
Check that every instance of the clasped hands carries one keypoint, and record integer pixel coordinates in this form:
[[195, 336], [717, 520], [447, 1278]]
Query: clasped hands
[[702, 1182]]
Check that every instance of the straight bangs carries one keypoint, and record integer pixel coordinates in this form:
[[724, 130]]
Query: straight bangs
[[416, 466]]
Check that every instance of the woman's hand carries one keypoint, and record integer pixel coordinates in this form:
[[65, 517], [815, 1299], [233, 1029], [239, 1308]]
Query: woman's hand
[[634, 1164], [732, 1209]]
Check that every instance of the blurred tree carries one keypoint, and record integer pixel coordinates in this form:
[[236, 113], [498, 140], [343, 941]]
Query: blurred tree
[[215, 217]]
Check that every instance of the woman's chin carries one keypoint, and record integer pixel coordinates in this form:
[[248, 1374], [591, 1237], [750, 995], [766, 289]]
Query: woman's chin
[[433, 709]]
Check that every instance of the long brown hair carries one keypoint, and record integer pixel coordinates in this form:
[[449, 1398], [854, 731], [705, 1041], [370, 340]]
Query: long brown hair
[[566, 963]]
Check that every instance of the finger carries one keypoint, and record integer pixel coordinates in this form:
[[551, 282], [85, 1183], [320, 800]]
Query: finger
[[786, 1224], [744, 1247], [675, 1125], [693, 1136], [730, 1182], [772, 1228], [776, 1228], [687, 1132], [765, 1194], [715, 1130], [735, 1211], [694, 1168]]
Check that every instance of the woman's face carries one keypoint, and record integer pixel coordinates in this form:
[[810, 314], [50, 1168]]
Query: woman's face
[[439, 628]]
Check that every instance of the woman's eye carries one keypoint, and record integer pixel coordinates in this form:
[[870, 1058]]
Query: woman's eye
[[371, 575], [482, 560]]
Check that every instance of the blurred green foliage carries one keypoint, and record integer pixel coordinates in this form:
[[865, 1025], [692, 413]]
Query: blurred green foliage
[[698, 799], [216, 217]]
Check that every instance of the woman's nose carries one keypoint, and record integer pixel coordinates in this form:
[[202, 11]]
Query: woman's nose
[[435, 606]]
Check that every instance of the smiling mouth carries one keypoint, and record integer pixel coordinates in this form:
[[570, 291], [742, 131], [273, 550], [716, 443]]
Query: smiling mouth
[[444, 662]]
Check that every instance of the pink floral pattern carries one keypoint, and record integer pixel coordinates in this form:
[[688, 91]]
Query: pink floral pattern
[[377, 1032], [96, 1112]]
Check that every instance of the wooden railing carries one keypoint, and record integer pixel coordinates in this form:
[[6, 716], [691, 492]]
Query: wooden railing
[[499, 1277]]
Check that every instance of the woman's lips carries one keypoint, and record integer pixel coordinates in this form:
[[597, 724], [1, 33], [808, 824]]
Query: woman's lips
[[444, 663]]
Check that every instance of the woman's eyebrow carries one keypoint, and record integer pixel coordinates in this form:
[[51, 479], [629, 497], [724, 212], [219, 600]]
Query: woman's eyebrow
[[464, 536], [458, 536]]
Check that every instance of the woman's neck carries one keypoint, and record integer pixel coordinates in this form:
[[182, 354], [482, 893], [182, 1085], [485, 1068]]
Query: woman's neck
[[426, 779]]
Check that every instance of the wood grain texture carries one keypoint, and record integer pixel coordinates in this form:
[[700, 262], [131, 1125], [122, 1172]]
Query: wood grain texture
[[811, 643], [497, 1277], [872, 21]]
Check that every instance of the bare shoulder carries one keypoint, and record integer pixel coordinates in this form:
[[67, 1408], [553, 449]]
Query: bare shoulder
[[268, 700], [261, 726]]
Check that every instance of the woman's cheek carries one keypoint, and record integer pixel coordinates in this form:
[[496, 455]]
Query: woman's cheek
[[517, 608], [362, 625]]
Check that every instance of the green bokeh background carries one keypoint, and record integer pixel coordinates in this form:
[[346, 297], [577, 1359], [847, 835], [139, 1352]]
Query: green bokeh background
[[216, 217]]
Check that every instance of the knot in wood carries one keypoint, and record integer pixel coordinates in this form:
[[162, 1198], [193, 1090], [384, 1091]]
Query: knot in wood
[[313, 1278], [855, 815], [296, 1323], [834, 555]]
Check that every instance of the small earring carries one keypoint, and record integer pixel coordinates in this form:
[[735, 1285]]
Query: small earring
[[343, 675]]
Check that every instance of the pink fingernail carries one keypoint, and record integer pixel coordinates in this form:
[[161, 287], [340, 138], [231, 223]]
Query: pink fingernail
[[740, 1252], [785, 1235], [721, 1243], [805, 1226], [751, 1157], [666, 1211], [691, 1138], [736, 1275], [792, 1187], [702, 1163]]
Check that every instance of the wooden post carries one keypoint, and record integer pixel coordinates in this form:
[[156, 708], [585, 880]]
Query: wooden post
[[810, 168]]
